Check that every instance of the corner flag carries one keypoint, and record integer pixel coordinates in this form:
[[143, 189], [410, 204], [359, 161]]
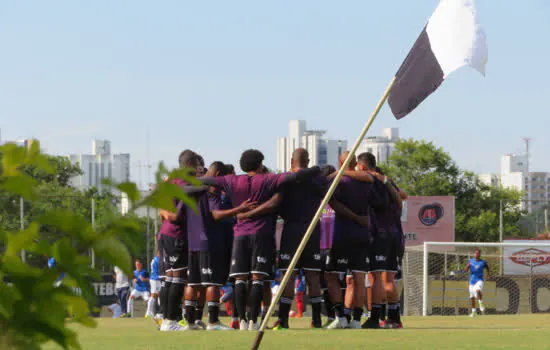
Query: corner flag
[[453, 38]]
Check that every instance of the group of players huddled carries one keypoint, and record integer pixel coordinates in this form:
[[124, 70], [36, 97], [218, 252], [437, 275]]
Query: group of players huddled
[[230, 237]]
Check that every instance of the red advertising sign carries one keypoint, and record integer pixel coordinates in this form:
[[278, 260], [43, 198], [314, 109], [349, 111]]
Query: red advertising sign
[[429, 219]]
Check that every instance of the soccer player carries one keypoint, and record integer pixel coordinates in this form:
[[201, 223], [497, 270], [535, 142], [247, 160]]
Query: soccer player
[[385, 250], [477, 266], [296, 204], [300, 291], [51, 264], [141, 286], [254, 244], [173, 240], [122, 289], [115, 309], [350, 247], [207, 261], [154, 281]]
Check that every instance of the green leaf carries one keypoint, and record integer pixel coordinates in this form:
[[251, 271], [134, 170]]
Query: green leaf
[[20, 184], [68, 222], [114, 252], [21, 240], [131, 190]]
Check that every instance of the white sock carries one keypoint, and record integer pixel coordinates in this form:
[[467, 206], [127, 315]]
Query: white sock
[[150, 306], [473, 310], [130, 307]]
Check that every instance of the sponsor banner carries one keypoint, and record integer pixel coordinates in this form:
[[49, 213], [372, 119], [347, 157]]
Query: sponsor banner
[[527, 260], [424, 219], [428, 219]]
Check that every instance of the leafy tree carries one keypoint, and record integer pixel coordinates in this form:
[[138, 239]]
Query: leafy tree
[[422, 169], [32, 310]]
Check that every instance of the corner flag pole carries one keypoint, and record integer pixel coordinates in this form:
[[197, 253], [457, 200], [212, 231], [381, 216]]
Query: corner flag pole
[[317, 216]]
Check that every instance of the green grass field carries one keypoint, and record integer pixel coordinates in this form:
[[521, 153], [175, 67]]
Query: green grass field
[[484, 332]]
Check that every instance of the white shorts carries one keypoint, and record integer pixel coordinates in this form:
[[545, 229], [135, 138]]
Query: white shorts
[[140, 295], [155, 286], [474, 288]]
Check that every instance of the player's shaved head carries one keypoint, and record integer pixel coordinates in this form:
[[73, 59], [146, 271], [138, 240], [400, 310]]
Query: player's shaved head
[[351, 164], [300, 158]]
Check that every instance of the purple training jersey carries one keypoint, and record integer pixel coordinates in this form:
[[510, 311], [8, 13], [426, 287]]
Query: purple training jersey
[[327, 228], [177, 228], [359, 197], [260, 188], [299, 205], [387, 218], [203, 232]]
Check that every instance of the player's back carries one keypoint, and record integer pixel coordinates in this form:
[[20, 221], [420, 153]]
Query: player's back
[[258, 188], [302, 199], [358, 197], [386, 211], [155, 268], [477, 270]]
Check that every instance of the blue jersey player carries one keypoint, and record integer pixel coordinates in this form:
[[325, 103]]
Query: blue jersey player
[[141, 287], [154, 282], [51, 265], [476, 266]]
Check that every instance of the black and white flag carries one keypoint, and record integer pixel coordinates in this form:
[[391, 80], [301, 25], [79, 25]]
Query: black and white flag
[[453, 38]]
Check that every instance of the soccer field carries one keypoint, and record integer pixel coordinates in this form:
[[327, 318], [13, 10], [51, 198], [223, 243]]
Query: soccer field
[[484, 332]]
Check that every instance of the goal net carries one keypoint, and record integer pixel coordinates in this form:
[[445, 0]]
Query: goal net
[[519, 280]]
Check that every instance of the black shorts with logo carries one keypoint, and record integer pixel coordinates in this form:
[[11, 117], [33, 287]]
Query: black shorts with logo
[[310, 260], [384, 252], [253, 255], [174, 254], [348, 257], [207, 269], [341, 275]]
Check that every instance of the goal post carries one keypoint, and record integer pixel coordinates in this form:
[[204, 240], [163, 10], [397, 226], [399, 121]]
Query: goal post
[[520, 277]]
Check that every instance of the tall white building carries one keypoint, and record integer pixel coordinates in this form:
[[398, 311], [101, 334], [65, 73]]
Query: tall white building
[[322, 151], [99, 165], [381, 146], [514, 173]]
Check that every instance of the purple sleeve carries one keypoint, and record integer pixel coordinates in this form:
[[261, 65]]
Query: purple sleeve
[[214, 203], [220, 181]]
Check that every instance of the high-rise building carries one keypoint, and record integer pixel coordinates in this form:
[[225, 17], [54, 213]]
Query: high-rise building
[[380, 146], [514, 173], [99, 165], [322, 151]]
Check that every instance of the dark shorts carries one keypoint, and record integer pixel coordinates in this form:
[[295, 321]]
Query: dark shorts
[[383, 256], [341, 275], [207, 269], [310, 259], [348, 257], [253, 255], [174, 254]]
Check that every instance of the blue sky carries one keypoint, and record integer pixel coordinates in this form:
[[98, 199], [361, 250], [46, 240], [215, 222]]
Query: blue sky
[[223, 76]]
